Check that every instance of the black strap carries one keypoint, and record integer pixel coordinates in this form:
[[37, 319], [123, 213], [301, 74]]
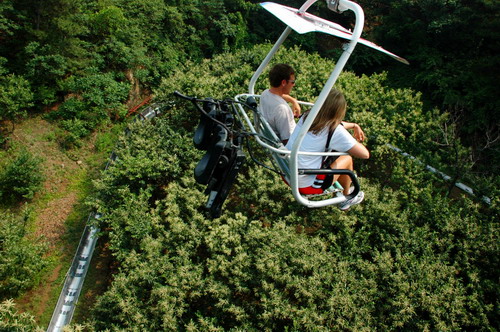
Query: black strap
[[326, 161], [328, 139]]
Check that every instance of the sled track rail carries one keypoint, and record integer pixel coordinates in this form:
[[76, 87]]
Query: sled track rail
[[445, 177], [73, 282]]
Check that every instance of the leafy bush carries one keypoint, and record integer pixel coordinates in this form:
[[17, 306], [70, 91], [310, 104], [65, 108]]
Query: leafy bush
[[15, 321], [45, 68], [95, 100], [73, 132], [387, 115], [396, 262], [21, 259], [16, 98], [21, 177]]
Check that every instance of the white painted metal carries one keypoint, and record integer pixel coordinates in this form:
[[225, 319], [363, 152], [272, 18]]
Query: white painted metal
[[302, 22]]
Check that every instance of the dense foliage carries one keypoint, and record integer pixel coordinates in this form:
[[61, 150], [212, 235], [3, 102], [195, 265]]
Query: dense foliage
[[408, 258], [22, 258], [453, 49], [93, 56], [15, 99]]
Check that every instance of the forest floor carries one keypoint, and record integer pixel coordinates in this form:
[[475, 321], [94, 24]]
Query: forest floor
[[58, 212]]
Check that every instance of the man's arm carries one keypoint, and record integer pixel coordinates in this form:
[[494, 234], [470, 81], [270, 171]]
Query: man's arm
[[295, 104]]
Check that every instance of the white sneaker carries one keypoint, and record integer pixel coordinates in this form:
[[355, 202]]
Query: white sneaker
[[353, 201]]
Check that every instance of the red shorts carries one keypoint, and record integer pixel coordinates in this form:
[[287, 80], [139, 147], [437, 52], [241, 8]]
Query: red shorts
[[315, 189]]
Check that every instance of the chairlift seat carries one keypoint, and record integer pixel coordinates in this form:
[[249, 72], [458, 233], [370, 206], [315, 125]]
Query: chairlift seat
[[282, 155], [302, 22]]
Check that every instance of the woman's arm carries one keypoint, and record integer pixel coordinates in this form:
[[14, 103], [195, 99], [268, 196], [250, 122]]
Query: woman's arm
[[359, 151], [359, 135]]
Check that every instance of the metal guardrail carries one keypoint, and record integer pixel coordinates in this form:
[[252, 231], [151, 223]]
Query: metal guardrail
[[75, 277]]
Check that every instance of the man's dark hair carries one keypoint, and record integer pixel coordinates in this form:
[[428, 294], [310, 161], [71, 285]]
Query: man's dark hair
[[280, 72]]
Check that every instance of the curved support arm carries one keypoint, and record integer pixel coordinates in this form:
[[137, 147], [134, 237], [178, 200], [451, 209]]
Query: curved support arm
[[358, 28], [306, 5], [269, 56]]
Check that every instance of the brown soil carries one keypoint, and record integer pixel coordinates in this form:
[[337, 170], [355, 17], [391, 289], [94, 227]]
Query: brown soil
[[41, 294], [49, 222]]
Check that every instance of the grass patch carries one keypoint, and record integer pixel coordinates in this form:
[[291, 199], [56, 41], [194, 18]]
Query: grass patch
[[41, 300]]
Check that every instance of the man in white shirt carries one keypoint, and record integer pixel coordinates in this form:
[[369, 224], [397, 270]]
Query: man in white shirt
[[274, 101]]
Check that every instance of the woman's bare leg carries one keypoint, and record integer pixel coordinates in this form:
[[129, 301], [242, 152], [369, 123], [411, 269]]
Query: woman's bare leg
[[343, 162]]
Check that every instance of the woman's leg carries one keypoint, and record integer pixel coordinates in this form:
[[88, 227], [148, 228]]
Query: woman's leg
[[343, 162]]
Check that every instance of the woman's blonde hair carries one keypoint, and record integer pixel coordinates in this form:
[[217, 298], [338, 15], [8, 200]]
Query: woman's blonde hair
[[331, 113]]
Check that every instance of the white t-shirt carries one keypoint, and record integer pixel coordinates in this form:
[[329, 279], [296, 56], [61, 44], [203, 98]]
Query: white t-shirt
[[278, 113], [341, 141]]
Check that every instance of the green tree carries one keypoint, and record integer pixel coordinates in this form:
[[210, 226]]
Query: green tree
[[452, 47], [21, 177], [96, 99], [16, 98], [45, 69]]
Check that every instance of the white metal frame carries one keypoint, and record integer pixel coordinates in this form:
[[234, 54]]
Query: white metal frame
[[358, 28]]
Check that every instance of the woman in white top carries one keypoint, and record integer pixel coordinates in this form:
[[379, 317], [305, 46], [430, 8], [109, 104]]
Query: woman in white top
[[329, 118]]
